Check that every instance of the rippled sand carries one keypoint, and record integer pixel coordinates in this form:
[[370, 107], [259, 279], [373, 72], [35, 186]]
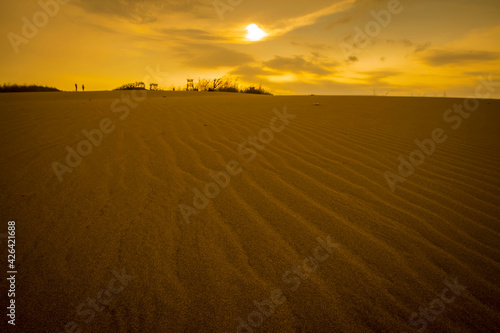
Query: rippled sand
[[321, 176]]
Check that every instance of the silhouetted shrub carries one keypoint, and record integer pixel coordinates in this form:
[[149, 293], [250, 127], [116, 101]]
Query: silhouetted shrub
[[228, 89], [24, 88], [253, 90], [132, 86], [228, 83]]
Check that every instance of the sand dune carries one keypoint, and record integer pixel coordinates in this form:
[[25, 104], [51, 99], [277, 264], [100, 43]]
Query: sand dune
[[321, 176]]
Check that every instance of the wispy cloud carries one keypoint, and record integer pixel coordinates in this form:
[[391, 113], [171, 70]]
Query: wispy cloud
[[351, 59], [210, 56], [455, 57], [190, 35], [291, 24], [314, 46], [144, 11], [298, 64]]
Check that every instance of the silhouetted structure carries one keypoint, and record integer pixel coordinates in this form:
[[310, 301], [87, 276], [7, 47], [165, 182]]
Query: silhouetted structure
[[190, 85], [153, 86], [76, 87], [83, 87]]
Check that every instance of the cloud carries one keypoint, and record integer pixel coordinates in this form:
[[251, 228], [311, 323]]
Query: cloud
[[251, 71], [297, 64], [480, 73], [375, 76], [314, 46], [422, 47], [357, 12], [291, 24], [343, 20], [143, 11], [287, 69], [352, 59], [190, 35], [419, 47], [210, 56], [448, 57]]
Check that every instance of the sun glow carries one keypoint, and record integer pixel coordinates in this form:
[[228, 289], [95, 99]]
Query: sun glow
[[255, 33]]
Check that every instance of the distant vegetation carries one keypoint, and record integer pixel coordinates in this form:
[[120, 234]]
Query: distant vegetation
[[24, 88], [227, 84], [253, 90], [132, 86], [224, 84]]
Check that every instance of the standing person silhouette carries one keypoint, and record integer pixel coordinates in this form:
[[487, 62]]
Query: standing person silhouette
[[83, 87], [76, 87]]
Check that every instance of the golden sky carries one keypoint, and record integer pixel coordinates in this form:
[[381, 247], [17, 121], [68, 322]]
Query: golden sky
[[407, 47]]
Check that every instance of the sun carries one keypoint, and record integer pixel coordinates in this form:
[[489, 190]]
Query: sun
[[255, 33]]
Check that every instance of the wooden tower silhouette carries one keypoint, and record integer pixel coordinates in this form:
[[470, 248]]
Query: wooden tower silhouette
[[190, 85]]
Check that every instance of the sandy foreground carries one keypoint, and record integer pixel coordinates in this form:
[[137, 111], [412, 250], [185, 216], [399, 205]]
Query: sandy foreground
[[307, 236]]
